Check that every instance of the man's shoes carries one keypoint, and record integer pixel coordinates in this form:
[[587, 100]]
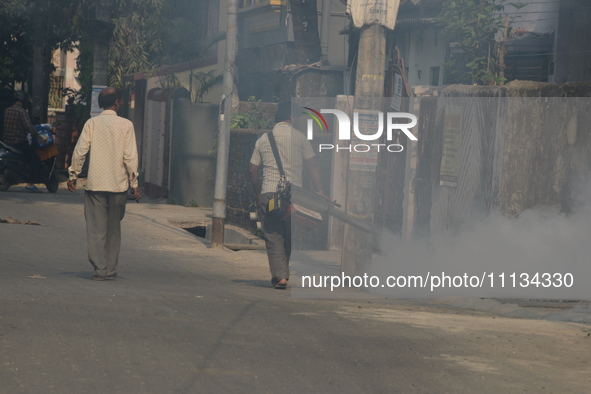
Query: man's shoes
[[97, 277], [112, 276], [33, 189], [279, 284]]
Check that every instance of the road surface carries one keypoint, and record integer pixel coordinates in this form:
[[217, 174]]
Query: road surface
[[183, 318]]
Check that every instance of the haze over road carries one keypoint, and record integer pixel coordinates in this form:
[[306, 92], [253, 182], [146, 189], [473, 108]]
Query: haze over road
[[185, 319]]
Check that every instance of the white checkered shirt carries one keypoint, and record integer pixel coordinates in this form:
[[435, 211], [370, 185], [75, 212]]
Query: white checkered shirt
[[293, 149], [113, 153]]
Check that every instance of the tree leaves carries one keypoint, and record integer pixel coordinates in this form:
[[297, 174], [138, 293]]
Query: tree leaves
[[18, 19], [148, 34], [474, 25], [253, 118]]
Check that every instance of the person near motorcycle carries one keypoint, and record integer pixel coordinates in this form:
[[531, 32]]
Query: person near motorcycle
[[17, 125]]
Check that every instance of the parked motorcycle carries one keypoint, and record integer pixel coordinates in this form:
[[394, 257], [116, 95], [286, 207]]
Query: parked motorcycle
[[14, 167]]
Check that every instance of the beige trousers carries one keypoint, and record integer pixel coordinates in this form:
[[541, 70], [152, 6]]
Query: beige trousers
[[277, 235], [103, 212]]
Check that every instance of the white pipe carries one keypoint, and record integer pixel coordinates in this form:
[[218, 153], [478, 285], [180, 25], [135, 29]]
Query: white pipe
[[325, 24]]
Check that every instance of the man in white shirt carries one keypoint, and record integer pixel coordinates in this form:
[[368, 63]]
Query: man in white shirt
[[112, 170], [296, 154]]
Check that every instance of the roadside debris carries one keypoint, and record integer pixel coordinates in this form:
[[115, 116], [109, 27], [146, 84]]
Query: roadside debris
[[14, 221]]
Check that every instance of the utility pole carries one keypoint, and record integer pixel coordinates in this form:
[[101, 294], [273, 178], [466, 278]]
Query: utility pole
[[361, 183], [221, 175]]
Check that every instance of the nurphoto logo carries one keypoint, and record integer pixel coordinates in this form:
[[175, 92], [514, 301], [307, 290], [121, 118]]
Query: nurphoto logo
[[367, 126]]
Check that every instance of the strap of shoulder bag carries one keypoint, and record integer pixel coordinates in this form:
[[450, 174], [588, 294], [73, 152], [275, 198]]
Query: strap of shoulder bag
[[276, 153]]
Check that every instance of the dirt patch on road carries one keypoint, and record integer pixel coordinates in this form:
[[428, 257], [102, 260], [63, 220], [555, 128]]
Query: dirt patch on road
[[463, 323], [14, 221]]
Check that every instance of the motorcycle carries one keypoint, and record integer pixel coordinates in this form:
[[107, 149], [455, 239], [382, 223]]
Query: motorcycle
[[14, 167]]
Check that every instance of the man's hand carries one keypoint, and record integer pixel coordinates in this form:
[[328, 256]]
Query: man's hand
[[253, 173], [72, 185], [38, 137], [321, 194], [136, 193]]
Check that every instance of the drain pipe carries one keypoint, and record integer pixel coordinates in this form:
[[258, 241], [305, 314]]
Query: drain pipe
[[324, 33]]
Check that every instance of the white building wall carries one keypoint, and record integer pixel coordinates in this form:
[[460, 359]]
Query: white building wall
[[539, 16], [427, 48], [338, 46], [71, 73], [423, 51], [65, 67]]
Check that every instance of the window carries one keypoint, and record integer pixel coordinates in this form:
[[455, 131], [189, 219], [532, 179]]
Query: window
[[434, 76], [56, 89]]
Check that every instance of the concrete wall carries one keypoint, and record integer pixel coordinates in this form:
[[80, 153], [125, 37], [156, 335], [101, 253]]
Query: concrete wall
[[317, 83], [154, 146], [522, 146], [547, 146], [262, 26], [266, 45], [479, 157], [192, 170]]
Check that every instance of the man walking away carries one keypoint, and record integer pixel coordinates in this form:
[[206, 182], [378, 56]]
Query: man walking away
[[17, 125], [296, 153], [112, 170]]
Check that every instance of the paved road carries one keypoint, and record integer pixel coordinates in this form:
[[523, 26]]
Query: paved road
[[185, 319]]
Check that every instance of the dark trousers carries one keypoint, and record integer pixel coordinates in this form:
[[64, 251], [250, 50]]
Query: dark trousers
[[103, 212], [31, 155], [277, 235]]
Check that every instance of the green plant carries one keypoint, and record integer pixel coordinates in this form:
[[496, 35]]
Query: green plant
[[252, 118], [201, 83], [192, 204], [474, 26]]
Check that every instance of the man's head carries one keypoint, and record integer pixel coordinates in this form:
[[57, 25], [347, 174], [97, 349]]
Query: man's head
[[283, 113], [23, 98], [110, 98]]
